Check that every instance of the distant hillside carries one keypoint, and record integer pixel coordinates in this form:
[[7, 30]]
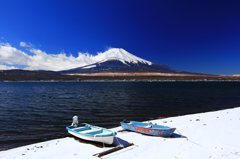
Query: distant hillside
[[24, 75]]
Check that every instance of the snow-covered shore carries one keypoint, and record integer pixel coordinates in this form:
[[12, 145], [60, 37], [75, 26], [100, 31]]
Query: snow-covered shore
[[212, 135]]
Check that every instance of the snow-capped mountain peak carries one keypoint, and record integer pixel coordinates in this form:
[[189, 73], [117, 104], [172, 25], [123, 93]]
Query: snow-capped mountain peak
[[117, 60], [120, 55]]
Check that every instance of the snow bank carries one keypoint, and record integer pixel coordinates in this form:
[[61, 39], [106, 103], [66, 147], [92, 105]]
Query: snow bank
[[212, 135]]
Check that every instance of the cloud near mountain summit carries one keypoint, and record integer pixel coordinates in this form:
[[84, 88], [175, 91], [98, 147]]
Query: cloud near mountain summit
[[35, 59]]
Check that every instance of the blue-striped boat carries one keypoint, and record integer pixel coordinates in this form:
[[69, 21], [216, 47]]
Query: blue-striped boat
[[147, 128], [92, 133]]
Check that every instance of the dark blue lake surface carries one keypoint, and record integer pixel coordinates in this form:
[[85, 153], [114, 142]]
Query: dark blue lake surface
[[37, 111]]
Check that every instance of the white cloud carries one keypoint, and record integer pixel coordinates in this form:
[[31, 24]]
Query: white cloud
[[39, 60], [25, 44], [4, 67], [12, 56], [56, 62]]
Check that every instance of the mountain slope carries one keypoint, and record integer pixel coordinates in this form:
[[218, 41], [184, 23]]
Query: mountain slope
[[118, 66], [119, 60]]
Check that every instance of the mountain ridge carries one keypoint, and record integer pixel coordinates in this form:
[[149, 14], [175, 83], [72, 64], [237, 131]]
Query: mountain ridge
[[118, 66], [119, 60]]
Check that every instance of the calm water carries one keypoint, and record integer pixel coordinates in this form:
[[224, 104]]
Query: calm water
[[34, 112]]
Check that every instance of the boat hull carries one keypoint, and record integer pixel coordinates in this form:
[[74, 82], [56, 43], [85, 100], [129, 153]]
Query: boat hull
[[106, 139], [92, 133], [164, 132]]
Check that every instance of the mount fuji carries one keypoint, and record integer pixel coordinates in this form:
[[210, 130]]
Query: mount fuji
[[113, 64], [118, 60]]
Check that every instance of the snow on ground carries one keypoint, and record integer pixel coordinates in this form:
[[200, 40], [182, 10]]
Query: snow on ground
[[213, 135]]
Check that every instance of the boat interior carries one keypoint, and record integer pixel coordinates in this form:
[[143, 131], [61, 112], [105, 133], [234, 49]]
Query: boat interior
[[147, 125]]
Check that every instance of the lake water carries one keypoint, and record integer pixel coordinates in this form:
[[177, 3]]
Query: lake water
[[37, 111]]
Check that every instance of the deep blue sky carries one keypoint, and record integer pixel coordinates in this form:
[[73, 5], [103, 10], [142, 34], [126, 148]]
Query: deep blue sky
[[194, 35]]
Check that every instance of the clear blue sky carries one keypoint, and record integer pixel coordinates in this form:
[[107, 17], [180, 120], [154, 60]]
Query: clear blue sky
[[194, 35]]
